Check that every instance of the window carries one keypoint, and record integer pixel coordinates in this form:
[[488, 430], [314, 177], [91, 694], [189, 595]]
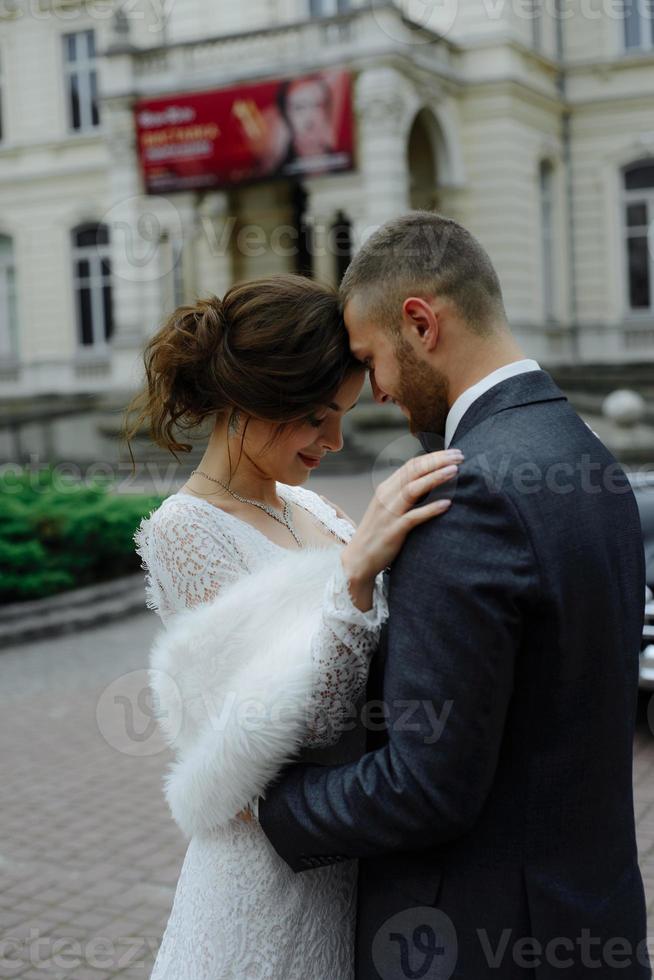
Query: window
[[639, 25], [537, 24], [92, 286], [638, 225], [546, 173], [304, 229], [328, 8], [341, 242], [81, 80], [2, 92], [8, 318]]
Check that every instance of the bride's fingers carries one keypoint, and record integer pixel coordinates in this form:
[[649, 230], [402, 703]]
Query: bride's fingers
[[422, 466], [425, 513], [418, 488]]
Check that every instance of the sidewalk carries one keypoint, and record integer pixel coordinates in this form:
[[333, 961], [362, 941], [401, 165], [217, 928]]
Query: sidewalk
[[89, 855]]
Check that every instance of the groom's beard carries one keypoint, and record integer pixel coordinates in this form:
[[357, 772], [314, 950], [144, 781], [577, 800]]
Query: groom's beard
[[422, 390]]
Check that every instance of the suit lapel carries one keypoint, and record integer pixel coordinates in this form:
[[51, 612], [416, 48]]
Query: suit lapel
[[522, 389]]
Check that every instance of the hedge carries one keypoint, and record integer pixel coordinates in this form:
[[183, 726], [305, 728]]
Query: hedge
[[57, 535]]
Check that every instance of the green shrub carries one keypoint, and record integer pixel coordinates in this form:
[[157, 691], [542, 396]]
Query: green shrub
[[55, 537]]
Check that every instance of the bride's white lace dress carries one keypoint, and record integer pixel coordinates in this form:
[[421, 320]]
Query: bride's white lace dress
[[239, 911]]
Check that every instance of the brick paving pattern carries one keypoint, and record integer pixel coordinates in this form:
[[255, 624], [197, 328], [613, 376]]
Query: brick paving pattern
[[89, 856]]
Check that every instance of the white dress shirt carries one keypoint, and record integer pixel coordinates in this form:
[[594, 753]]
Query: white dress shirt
[[470, 395]]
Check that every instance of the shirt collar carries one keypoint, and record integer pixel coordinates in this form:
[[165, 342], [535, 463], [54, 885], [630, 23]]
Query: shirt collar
[[470, 395]]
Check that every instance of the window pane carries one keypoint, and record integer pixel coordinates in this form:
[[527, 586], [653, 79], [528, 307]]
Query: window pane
[[637, 215], [547, 234], [82, 269], [74, 108], [85, 316], [95, 109], [91, 235], [632, 23], [70, 43], [639, 273], [4, 315], [90, 44], [639, 177], [325, 8], [105, 267], [537, 24], [108, 312], [12, 309], [341, 243]]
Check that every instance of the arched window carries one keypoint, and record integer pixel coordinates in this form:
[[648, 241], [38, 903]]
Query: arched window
[[8, 317], [92, 285], [548, 278], [638, 191]]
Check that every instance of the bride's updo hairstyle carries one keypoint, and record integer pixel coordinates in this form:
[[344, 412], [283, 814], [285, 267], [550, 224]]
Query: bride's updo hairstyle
[[273, 349]]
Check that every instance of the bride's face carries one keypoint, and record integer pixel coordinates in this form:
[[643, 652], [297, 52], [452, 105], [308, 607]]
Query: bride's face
[[298, 451]]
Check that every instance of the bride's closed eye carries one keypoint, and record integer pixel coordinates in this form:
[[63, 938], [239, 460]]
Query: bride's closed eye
[[316, 423]]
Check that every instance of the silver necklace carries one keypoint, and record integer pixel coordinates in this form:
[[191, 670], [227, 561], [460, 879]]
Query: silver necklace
[[285, 519]]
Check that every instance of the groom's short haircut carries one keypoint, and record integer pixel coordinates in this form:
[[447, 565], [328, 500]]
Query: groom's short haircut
[[425, 254]]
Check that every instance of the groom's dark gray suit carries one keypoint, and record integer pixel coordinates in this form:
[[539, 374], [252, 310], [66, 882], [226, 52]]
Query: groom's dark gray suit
[[516, 620]]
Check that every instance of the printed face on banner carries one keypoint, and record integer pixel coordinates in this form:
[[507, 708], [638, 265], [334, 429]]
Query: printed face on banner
[[222, 138]]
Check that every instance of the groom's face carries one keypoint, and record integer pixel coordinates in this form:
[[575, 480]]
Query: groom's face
[[397, 373]]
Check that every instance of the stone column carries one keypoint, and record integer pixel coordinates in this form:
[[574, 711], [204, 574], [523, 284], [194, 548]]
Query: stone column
[[382, 105], [212, 245]]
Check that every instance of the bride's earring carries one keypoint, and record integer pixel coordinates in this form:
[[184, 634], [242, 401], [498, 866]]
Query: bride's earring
[[233, 423]]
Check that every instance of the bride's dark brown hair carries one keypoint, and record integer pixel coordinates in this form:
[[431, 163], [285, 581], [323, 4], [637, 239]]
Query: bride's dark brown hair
[[273, 349]]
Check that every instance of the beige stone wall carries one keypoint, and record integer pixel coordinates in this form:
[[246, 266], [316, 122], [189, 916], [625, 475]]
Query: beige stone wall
[[505, 137]]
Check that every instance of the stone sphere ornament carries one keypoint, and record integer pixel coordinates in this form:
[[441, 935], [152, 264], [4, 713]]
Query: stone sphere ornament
[[624, 407]]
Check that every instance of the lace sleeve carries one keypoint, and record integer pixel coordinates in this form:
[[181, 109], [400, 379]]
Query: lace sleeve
[[186, 555], [345, 639], [341, 650]]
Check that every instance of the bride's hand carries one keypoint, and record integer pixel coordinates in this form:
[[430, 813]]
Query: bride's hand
[[390, 516]]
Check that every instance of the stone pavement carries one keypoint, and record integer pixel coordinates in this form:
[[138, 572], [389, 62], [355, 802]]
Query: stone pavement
[[89, 855]]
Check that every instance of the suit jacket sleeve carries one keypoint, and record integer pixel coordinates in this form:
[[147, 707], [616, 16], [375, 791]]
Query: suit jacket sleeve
[[458, 593]]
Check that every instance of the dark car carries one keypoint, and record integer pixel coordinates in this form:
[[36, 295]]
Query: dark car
[[644, 490]]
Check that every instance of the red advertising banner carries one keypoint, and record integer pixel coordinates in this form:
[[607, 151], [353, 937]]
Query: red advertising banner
[[293, 127]]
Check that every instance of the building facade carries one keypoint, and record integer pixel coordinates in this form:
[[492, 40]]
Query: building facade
[[531, 122]]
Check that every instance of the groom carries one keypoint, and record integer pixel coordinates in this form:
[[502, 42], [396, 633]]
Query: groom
[[502, 846]]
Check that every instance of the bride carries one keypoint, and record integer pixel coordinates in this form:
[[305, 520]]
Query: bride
[[269, 597]]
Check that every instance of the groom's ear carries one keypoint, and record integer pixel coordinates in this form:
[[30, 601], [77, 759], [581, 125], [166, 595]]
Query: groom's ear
[[421, 323]]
